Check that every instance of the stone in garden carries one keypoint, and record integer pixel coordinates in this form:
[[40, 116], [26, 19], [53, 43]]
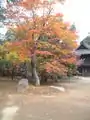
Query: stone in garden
[[62, 89], [23, 85]]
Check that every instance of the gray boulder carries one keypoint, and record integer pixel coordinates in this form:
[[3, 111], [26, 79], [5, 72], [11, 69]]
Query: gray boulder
[[22, 85]]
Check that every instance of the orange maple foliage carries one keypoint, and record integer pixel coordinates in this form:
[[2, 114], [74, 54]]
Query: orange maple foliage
[[47, 37]]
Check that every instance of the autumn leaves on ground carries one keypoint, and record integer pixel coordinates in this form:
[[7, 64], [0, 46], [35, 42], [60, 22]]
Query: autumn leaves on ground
[[41, 39]]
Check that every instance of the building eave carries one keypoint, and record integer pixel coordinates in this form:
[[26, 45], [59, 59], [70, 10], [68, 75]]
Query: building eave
[[82, 52]]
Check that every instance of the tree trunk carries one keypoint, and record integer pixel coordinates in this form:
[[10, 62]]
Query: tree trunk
[[34, 71]]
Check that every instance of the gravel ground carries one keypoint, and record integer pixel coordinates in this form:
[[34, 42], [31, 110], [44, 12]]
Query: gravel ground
[[45, 103]]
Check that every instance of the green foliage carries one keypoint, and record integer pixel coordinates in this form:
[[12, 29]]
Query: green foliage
[[71, 69], [73, 27], [4, 62]]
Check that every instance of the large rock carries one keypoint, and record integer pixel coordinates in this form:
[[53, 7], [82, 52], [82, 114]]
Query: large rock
[[22, 85]]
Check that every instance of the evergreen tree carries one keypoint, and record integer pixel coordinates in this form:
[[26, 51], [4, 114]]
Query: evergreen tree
[[73, 27]]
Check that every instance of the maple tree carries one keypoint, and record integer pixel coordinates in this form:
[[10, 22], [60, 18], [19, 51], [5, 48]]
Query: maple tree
[[44, 37]]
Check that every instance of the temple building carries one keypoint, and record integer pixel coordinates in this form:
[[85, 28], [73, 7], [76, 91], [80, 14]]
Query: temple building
[[83, 57]]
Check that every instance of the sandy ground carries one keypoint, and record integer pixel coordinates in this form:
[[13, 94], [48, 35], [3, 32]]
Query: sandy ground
[[44, 103]]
